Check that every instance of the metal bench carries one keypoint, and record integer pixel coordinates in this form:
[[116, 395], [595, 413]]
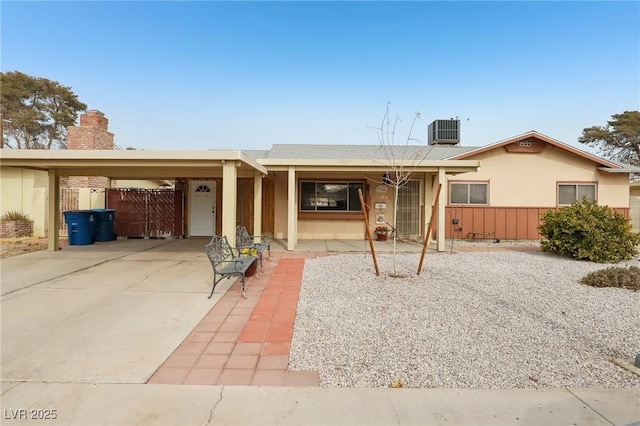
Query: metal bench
[[246, 241], [225, 263]]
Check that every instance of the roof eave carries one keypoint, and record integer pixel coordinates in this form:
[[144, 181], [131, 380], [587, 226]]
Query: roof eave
[[359, 162], [619, 170], [456, 166]]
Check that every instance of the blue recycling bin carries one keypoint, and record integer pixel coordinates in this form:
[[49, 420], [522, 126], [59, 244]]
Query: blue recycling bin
[[81, 227], [104, 224]]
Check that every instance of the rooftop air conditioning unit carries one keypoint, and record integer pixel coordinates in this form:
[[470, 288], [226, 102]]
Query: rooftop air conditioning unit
[[444, 132]]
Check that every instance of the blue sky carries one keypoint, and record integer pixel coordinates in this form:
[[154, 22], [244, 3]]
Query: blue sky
[[246, 75]]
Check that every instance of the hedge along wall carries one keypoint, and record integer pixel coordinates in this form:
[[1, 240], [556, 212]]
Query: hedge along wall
[[16, 228]]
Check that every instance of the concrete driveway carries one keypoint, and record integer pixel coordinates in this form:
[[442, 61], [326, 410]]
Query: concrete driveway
[[109, 312]]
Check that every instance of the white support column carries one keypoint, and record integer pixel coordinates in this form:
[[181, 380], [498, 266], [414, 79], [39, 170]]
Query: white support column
[[292, 211], [229, 195], [54, 211], [427, 196], [442, 202], [257, 203]]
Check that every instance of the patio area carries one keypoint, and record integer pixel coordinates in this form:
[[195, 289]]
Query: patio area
[[245, 342]]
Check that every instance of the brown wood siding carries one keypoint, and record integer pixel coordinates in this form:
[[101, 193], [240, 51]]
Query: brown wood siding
[[244, 204], [500, 224], [268, 205], [511, 223], [522, 224], [219, 206]]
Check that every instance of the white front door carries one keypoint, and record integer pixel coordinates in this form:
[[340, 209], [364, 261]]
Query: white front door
[[202, 217]]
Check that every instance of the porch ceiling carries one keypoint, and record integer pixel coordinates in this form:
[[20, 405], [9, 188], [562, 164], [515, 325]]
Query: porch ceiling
[[129, 164]]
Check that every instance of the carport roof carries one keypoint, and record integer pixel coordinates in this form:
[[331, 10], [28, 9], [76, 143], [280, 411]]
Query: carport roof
[[128, 163]]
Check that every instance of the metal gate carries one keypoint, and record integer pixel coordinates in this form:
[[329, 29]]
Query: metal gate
[[147, 213], [408, 221], [69, 200]]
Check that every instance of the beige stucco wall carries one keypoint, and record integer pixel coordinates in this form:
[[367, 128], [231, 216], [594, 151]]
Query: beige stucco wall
[[280, 205], [324, 229], [634, 212], [331, 230], [634, 206], [27, 191], [91, 198], [530, 179]]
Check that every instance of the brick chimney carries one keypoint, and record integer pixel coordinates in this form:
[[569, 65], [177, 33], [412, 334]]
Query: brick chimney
[[92, 133]]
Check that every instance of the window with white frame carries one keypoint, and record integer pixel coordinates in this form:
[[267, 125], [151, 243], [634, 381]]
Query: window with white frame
[[330, 196], [570, 192], [469, 193]]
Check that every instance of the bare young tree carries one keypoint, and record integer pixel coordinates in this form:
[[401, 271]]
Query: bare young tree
[[401, 162]]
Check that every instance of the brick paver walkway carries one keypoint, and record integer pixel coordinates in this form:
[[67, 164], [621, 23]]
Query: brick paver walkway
[[245, 342]]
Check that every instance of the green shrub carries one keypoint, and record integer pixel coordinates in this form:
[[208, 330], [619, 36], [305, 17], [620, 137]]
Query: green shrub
[[614, 276], [12, 215], [587, 231]]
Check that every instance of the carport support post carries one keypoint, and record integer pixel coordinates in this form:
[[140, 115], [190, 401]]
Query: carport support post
[[292, 211], [54, 211], [257, 203], [440, 237], [229, 194]]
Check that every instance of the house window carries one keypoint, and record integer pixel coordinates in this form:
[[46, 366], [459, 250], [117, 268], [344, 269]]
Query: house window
[[469, 193], [570, 192], [330, 196]]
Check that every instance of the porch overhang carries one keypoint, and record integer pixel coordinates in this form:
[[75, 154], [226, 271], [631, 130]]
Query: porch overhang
[[438, 168], [307, 165]]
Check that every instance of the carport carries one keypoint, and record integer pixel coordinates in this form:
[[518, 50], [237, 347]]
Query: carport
[[229, 165]]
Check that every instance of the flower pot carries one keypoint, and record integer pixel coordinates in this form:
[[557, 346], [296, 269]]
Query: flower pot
[[382, 237], [251, 271]]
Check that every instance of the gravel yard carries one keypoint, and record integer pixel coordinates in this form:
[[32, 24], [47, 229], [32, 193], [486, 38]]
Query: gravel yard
[[470, 320]]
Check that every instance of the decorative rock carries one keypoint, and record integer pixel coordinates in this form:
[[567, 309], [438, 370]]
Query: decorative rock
[[470, 320]]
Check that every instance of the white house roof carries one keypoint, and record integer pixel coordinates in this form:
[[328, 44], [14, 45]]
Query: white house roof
[[358, 152]]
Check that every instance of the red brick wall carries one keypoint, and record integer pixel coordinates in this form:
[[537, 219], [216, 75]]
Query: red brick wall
[[92, 133], [95, 119], [84, 182], [16, 229]]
